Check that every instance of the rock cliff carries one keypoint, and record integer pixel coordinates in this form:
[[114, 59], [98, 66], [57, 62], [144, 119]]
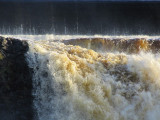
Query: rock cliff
[[15, 81]]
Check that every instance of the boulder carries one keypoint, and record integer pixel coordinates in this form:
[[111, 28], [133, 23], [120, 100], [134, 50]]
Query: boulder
[[15, 81]]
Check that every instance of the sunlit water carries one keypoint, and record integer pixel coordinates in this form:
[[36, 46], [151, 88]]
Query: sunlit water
[[75, 83]]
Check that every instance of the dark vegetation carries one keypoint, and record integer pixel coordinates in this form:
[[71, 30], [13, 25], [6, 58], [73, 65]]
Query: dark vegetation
[[109, 18]]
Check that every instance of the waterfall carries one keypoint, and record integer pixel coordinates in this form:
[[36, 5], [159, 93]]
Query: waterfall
[[75, 83]]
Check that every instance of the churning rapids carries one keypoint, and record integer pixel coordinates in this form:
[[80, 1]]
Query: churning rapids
[[95, 77]]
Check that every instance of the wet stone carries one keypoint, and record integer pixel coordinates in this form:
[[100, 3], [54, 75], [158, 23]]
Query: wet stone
[[15, 81]]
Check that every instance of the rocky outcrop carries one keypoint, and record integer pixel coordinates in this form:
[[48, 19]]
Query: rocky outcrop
[[15, 81], [117, 44]]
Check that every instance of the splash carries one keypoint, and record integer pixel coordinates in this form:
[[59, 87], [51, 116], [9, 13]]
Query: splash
[[127, 45], [76, 83]]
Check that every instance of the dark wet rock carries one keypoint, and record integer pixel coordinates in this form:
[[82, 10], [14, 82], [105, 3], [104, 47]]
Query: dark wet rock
[[15, 81]]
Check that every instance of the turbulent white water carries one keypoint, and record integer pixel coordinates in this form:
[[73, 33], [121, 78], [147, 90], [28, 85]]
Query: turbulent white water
[[66, 37], [75, 83]]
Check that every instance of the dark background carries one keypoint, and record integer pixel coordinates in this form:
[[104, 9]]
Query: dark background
[[109, 18]]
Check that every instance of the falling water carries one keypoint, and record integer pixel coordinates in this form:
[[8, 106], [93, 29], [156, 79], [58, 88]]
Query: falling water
[[76, 83]]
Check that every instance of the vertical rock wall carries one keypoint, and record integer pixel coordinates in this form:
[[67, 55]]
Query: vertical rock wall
[[15, 81]]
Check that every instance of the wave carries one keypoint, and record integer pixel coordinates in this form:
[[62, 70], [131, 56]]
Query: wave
[[128, 44]]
